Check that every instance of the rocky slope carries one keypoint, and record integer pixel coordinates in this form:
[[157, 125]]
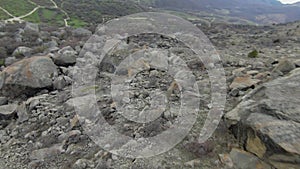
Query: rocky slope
[[39, 127]]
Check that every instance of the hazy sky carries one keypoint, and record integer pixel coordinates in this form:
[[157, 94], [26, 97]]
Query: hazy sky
[[288, 1]]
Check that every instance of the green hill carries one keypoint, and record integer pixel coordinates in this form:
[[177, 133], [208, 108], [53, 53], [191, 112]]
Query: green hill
[[77, 13]]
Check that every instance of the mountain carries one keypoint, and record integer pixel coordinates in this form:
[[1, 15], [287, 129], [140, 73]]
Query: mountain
[[258, 11], [296, 4], [81, 13], [52, 108]]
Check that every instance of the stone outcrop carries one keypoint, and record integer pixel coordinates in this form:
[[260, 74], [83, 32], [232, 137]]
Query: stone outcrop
[[269, 117]]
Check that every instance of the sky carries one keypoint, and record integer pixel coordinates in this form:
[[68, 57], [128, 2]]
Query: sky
[[289, 1]]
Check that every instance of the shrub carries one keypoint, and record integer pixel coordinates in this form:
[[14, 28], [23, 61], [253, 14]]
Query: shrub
[[253, 54], [2, 62]]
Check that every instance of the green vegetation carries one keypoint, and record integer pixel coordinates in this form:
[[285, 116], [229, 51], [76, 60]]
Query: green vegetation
[[76, 23], [33, 17], [182, 15], [2, 62], [49, 16], [17, 7], [3, 15], [253, 54], [43, 2], [52, 16], [81, 12], [95, 11]]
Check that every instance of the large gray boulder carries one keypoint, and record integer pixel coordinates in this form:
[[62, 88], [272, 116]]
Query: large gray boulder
[[269, 117], [31, 73]]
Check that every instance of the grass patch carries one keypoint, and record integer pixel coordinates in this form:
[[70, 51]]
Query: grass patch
[[3, 15], [43, 2], [52, 17], [17, 7], [77, 23], [2, 62], [35, 18], [48, 14]]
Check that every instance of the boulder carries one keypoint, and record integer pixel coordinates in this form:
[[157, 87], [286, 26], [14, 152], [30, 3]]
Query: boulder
[[243, 82], [52, 46], [65, 57], [10, 60], [244, 160], [28, 74], [271, 113], [32, 27], [81, 32], [22, 51], [7, 110], [284, 66]]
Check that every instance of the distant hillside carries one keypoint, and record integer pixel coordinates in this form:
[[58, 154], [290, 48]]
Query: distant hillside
[[296, 4], [76, 13], [80, 13], [259, 11]]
